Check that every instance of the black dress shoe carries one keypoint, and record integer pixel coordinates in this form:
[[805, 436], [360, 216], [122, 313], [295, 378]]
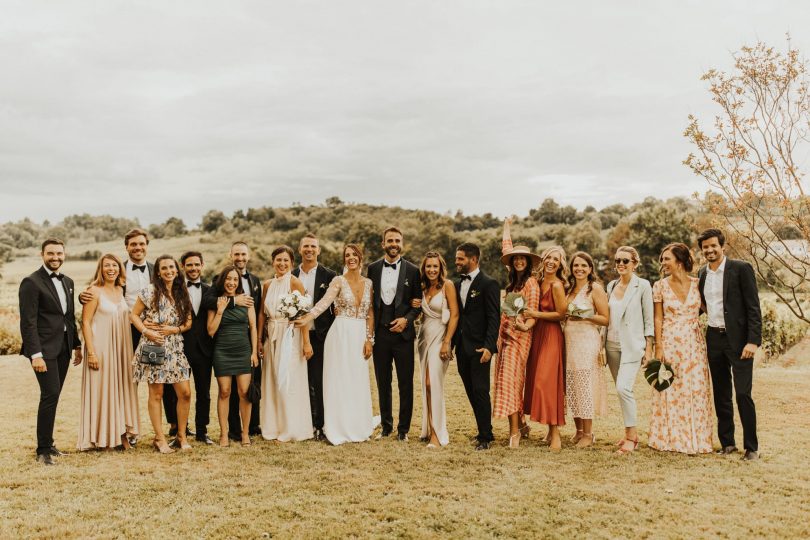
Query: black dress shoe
[[318, 434], [203, 438], [235, 437], [402, 437], [750, 455], [483, 445], [174, 443], [384, 433], [55, 452], [726, 450], [45, 459], [190, 433], [254, 433], [173, 431]]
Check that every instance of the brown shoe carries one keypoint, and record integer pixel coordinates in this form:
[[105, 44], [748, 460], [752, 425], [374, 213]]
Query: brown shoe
[[750, 455]]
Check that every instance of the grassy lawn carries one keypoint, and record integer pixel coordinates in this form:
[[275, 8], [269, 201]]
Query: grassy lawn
[[387, 488]]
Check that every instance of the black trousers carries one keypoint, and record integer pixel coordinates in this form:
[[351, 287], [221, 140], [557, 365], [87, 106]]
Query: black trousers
[[201, 370], [315, 375], [234, 422], [50, 387], [730, 371], [390, 348], [475, 376]]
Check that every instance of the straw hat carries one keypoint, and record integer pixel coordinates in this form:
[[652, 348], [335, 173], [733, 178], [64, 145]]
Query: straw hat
[[521, 250]]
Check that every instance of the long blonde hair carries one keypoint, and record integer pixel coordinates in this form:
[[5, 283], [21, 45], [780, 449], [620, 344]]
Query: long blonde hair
[[98, 278], [561, 271]]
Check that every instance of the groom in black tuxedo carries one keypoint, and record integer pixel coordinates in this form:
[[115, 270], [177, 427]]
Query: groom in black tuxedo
[[198, 348], [476, 339], [316, 279], [396, 285], [49, 336], [728, 289]]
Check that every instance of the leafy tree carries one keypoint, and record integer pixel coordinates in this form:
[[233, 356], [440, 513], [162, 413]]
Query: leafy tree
[[213, 220], [753, 158], [653, 227]]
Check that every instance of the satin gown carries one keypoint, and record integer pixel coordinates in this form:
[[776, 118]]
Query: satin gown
[[544, 397], [429, 343], [285, 410]]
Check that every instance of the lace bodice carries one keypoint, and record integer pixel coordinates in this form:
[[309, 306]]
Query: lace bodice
[[346, 304]]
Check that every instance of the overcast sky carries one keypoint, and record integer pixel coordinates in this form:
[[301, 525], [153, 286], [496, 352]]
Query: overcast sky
[[153, 109]]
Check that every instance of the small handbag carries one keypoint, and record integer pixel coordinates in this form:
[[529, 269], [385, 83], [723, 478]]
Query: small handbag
[[153, 355], [254, 394]]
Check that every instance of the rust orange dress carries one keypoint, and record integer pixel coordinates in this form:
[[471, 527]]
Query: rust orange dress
[[513, 354], [544, 397]]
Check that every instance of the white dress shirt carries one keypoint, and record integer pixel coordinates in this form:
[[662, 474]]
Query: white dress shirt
[[389, 280], [246, 285], [713, 292], [136, 282], [465, 286], [308, 279], [195, 293]]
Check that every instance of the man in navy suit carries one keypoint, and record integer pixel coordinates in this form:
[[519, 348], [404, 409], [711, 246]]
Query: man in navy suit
[[476, 339], [49, 336], [316, 279], [729, 292]]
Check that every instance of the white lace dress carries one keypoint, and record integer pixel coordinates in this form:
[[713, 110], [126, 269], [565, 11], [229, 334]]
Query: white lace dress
[[346, 383]]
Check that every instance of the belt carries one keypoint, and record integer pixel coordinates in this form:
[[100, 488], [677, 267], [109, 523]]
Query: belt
[[718, 329]]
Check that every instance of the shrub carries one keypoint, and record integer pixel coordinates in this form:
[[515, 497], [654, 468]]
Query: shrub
[[779, 331], [10, 341]]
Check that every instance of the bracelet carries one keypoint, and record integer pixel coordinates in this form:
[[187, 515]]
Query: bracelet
[[91, 355]]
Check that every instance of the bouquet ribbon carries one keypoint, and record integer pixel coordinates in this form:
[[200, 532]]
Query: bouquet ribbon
[[285, 360]]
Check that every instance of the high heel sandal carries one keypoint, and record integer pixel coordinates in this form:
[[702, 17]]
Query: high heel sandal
[[622, 451], [514, 440], [525, 429], [184, 446], [165, 449], [586, 440]]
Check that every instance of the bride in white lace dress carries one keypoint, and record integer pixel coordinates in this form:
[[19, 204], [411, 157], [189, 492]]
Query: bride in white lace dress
[[346, 386]]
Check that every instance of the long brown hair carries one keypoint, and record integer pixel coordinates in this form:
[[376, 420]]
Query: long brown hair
[[572, 281], [179, 293], [98, 278], [219, 284], [442, 270], [517, 280]]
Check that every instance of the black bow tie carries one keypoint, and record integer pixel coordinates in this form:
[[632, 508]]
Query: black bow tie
[[193, 284], [465, 277], [390, 265], [57, 276], [142, 267], [245, 276]]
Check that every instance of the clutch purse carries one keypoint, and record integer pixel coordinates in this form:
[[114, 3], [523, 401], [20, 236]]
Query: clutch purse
[[254, 394], [153, 355]]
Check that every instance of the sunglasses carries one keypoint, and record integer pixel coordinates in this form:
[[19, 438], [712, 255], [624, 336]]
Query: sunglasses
[[623, 261]]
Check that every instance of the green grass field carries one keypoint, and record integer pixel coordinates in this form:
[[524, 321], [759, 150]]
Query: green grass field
[[387, 488]]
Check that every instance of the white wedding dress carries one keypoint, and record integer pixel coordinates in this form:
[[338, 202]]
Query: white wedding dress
[[285, 413], [346, 385]]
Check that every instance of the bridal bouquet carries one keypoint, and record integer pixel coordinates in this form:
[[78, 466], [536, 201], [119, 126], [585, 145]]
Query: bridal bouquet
[[294, 305], [659, 374], [513, 305], [581, 311]]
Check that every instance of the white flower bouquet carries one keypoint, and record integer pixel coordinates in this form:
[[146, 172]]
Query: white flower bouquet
[[294, 305], [513, 305]]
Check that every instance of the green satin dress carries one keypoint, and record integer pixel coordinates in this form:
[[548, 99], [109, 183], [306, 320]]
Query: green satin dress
[[232, 343]]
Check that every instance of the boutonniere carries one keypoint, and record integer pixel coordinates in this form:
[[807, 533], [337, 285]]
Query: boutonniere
[[406, 283], [323, 286], [473, 294]]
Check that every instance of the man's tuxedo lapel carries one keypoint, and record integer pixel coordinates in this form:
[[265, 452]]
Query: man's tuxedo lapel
[[726, 279], [48, 282], [320, 279], [473, 284], [400, 282]]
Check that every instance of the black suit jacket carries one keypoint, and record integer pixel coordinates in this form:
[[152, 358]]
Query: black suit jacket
[[740, 303], [408, 288], [480, 317], [323, 277], [196, 341], [42, 322]]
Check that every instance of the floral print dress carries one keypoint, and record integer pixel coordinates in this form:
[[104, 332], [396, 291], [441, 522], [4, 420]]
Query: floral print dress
[[175, 368], [682, 419]]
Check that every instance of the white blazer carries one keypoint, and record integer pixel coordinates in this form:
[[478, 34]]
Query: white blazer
[[637, 318]]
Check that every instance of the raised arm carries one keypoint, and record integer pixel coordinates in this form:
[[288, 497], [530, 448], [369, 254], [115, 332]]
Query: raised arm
[[506, 243], [328, 298]]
